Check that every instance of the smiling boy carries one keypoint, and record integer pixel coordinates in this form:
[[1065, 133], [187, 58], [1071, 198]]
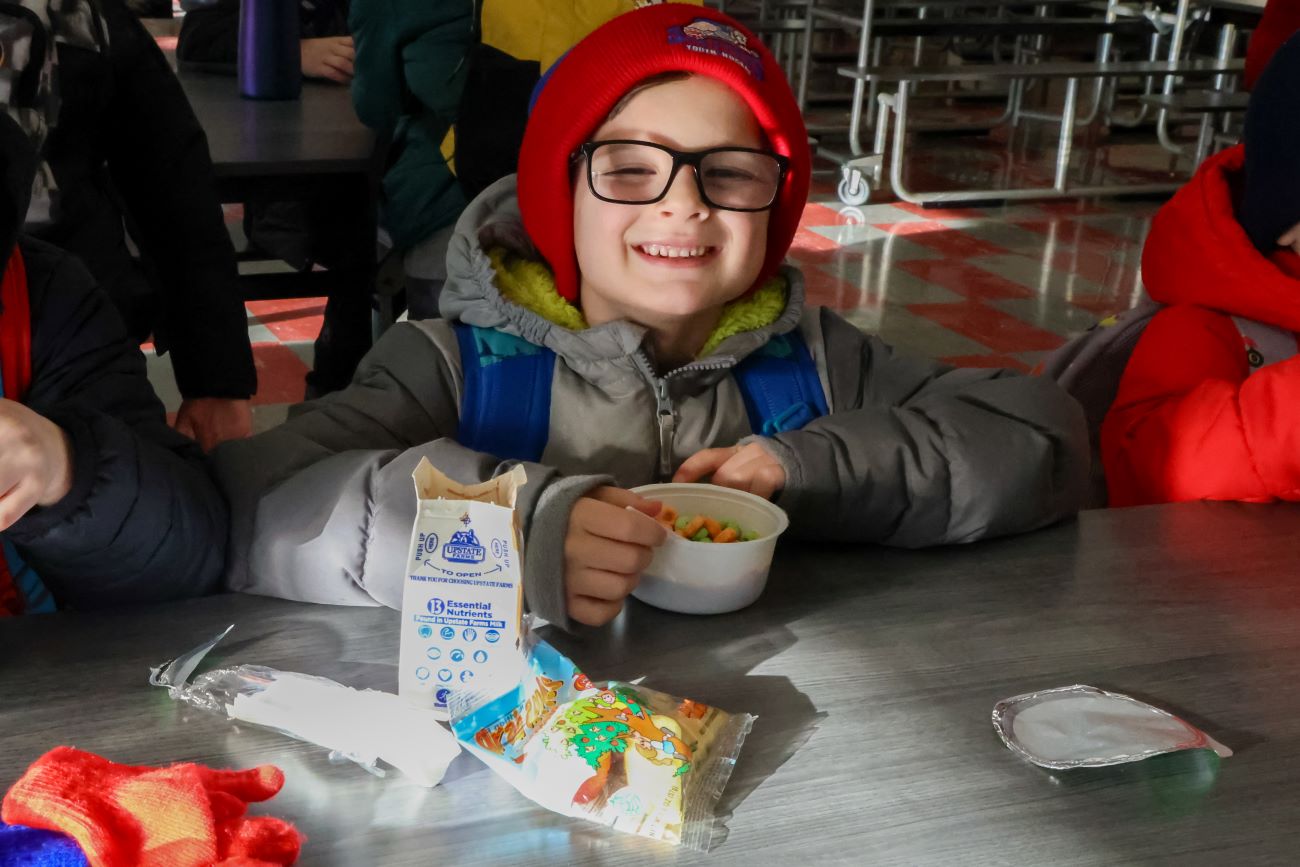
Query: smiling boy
[[622, 314]]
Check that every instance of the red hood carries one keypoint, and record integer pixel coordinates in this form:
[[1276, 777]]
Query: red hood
[[1197, 253]]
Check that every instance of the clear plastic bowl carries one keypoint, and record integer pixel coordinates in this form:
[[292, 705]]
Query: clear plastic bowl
[[703, 578]]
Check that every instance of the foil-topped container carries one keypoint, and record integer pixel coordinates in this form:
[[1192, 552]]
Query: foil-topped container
[[1084, 727]]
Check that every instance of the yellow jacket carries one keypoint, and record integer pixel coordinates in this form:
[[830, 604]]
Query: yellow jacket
[[543, 30]]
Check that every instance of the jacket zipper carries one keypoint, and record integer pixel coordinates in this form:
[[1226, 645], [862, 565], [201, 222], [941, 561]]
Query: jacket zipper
[[665, 412]]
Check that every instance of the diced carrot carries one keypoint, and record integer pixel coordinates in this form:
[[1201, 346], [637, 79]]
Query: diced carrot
[[668, 514], [727, 535], [693, 526], [712, 526]]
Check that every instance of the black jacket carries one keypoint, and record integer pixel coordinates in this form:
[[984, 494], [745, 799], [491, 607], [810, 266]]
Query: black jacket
[[127, 145], [144, 520]]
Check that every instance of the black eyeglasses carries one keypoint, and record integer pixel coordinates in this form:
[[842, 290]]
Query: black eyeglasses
[[627, 172]]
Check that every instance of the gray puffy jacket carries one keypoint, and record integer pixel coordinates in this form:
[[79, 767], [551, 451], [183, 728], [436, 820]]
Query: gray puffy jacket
[[913, 452]]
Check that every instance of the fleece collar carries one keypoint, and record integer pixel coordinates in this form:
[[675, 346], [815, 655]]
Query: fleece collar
[[531, 285]]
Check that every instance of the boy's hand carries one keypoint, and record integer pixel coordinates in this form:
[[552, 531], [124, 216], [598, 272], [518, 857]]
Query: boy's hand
[[330, 57], [210, 421], [746, 468], [35, 462], [1291, 238], [605, 550]]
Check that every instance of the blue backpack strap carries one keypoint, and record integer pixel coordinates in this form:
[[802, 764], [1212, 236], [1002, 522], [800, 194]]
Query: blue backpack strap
[[780, 386], [506, 406]]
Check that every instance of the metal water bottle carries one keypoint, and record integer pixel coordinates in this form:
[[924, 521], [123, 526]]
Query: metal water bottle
[[270, 56]]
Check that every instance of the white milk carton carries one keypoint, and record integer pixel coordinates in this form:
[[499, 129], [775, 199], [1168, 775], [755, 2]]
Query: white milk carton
[[463, 602]]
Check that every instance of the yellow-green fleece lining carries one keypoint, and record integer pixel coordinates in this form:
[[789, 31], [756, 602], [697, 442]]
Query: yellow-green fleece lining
[[531, 285]]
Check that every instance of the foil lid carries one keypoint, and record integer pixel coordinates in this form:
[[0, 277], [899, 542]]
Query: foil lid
[[1084, 727]]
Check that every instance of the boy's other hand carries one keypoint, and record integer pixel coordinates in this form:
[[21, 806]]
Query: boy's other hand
[[605, 550], [749, 468], [330, 58], [212, 420], [1291, 239], [35, 462]]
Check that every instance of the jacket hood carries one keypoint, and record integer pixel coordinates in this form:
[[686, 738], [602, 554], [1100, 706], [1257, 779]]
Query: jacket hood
[[1197, 252], [603, 354]]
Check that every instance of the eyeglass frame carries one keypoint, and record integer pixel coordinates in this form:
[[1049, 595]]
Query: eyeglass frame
[[682, 158]]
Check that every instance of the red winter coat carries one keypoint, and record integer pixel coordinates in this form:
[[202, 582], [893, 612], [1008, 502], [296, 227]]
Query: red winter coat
[[1190, 421], [1281, 19]]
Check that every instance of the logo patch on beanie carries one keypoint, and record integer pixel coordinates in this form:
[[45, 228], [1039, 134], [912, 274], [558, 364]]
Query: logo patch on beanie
[[706, 36]]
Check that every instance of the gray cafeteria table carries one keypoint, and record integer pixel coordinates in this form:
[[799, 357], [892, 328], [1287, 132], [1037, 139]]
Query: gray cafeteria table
[[873, 673]]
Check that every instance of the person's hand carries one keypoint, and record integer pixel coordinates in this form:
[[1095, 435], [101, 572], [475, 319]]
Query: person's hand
[[35, 462], [746, 468], [213, 420], [605, 550], [1291, 238], [330, 57]]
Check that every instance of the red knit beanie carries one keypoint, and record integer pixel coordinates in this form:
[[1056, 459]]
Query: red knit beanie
[[587, 82]]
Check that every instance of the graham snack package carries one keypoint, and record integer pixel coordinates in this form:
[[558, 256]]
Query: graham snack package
[[623, 755], [462, 606]]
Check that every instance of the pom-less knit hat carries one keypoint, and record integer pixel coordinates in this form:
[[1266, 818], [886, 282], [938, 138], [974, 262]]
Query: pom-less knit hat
[[589, 80], [1270, 202]]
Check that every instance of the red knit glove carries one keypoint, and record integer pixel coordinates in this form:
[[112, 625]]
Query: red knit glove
[[186, 815]]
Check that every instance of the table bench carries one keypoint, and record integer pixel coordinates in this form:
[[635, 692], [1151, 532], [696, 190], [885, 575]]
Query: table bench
[[854, 189]]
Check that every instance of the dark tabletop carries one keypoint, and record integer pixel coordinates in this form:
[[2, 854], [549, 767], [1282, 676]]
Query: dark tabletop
[[318, 133], [873, 673]]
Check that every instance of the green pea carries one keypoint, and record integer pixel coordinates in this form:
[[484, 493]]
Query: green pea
[[748, 536], [732, 525], [701, 536], [682, 521]]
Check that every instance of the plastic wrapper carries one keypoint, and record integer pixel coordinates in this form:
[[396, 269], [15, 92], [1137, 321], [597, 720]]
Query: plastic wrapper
[[619, 754], [1085, 727], [363, 726]]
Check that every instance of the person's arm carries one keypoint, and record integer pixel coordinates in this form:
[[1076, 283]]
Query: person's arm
[[142, 520], [1189, 424], [211, 35], [159, 162], [916, 453], [323, 505]]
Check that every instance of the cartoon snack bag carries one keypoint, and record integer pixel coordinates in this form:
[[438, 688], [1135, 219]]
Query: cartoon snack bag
[[626, 756]]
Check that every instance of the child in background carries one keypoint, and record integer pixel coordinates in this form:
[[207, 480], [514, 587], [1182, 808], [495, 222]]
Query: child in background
[[450, 82], [1209, 405], [662, 177]]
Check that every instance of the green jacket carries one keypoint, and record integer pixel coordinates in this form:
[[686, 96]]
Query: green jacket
[[410, 74]]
